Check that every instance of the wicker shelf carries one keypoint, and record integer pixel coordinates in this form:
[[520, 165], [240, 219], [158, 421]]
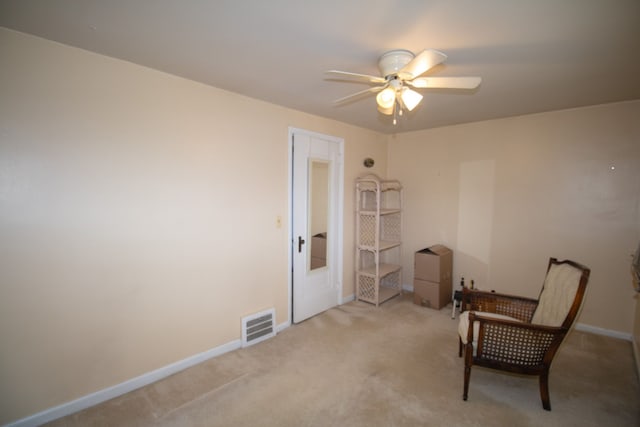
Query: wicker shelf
[[378, 239], [383, 270], [382, 245], [382, 212], [386, 294]]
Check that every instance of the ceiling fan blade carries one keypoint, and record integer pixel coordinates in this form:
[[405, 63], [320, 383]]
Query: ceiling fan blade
[[445, 82], [357, 94], [424, 61], [355, 76]]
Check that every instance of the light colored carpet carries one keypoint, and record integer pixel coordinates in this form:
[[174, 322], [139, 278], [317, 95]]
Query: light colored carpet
[[396, 365]]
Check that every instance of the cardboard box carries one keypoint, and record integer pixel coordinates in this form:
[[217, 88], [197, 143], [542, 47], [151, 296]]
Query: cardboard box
[[434, 264], [433, 270], [317, 262], [318, 251], [431, 294]]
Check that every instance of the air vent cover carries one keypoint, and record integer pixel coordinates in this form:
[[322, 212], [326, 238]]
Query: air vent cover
[[258, 327]]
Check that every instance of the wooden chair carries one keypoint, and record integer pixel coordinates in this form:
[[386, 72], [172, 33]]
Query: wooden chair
[[521, 335]]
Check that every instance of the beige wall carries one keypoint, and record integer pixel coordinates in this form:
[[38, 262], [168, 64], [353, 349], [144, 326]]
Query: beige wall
[[535, 186], [131, 204]]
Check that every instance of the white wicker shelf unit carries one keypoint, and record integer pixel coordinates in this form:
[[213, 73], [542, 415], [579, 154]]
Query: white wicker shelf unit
[[378, 239]]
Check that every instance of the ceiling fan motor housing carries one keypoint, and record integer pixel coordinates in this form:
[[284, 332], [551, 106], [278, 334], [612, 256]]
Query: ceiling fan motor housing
[[393, 61]]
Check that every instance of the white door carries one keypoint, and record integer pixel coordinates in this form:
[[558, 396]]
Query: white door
[[316, 223]]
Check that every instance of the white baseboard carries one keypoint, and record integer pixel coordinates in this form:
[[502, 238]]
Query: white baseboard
[[601, 331], [125, 387], [98, 397], [282, 326], [408, 288], [347, 299]]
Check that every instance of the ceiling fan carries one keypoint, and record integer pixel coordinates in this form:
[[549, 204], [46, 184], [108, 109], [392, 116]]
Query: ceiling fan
[[401, 70]]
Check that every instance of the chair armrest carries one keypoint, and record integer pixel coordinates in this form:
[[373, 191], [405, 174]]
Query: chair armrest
[[501, 342], [520, 308]]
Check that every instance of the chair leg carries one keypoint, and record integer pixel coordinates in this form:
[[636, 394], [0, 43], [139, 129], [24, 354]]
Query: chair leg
[[544, 390], [459, 347], [467, 375], [468, 361]]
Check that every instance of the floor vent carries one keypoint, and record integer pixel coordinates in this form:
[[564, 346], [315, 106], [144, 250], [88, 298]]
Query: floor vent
[[258, 327]]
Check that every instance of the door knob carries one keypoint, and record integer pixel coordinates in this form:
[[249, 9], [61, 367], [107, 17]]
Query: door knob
[[300, 243]]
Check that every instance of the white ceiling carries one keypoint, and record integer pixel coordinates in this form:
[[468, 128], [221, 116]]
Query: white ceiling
[[533, 55]]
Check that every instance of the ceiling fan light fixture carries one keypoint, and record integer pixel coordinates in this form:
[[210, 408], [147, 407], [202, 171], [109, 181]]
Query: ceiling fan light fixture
[[393, 61], [410, 98], [386, 98], [386, 111]]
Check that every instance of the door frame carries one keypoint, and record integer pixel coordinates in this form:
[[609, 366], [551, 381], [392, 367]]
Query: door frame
[[338, 243]]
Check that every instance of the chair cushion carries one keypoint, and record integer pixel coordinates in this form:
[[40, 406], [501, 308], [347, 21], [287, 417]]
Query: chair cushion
[[558, 294], [463, 326]]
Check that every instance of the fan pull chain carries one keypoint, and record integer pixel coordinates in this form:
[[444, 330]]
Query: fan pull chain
[[395, 112]]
